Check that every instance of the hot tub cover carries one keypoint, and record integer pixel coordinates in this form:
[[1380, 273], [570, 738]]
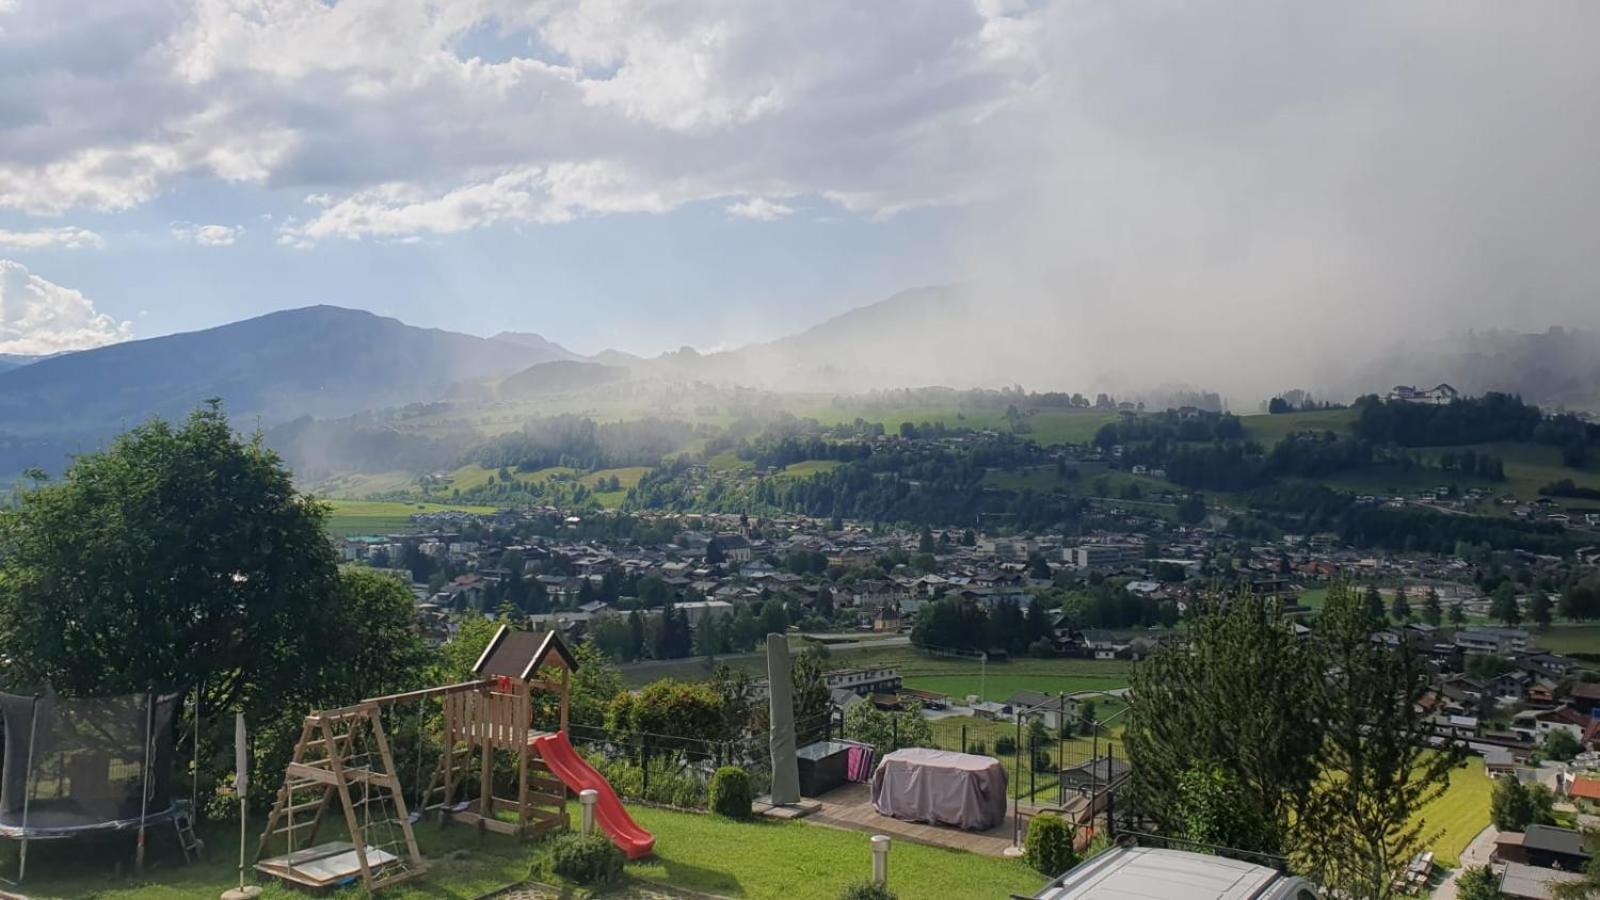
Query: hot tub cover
[[941, 788]]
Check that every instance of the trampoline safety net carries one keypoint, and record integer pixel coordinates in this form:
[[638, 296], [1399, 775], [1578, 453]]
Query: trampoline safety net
[[74, 766]]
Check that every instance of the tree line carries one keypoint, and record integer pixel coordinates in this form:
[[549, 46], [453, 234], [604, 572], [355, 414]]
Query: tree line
[[1247, 736]]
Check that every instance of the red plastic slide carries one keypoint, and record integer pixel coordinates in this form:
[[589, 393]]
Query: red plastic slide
[[633, 841]]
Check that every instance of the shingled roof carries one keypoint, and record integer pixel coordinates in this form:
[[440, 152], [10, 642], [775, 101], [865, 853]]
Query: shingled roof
[[518, 654]]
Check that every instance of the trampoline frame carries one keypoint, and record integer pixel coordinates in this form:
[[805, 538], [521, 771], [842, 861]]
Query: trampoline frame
[[24, 834]]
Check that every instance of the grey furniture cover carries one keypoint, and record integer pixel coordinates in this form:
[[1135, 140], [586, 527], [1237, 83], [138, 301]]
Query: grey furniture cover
[[941, 787]]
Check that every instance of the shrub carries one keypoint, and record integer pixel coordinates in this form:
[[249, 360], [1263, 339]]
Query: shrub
[[730, 793], [586, 859], [1043, 762], [867, 890], [1048, 846], [1005, 745], [979, 748]]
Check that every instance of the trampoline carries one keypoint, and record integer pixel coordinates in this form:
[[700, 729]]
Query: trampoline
[[78, 767]]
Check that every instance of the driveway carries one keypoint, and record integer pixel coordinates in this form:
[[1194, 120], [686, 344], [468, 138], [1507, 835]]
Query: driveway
[[1476, 854]]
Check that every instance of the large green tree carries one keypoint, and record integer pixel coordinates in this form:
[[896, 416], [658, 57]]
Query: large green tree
[[182, 558], [1234, 697], [1378, 764]]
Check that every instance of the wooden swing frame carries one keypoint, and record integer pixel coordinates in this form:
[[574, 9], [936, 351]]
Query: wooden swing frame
[[483, 718]]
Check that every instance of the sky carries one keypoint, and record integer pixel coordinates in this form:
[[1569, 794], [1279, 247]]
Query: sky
[[1180, 178]]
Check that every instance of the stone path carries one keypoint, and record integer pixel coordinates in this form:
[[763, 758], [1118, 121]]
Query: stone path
[[1476, 854]]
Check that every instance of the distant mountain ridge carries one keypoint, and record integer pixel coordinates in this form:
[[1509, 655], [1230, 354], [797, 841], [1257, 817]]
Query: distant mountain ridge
[[538, 343], [319, 361]]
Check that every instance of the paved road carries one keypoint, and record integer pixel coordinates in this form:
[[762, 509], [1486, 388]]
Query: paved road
[[1476, 854]]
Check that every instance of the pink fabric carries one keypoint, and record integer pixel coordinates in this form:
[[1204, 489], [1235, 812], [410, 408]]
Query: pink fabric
[[859, 762], [941, 788]]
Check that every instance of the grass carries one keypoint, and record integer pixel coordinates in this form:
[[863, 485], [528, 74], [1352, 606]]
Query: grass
[[375, 517], [1461, 811], [461, 864], [1570, 639], [728, 461], [1269, 429], [628, 477], [963, 675], [1000, 686], [797, 861], [1314, 598], [773, 860], [807, 468]]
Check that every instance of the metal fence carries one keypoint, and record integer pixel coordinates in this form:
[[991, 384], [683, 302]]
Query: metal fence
[[1053, 762]]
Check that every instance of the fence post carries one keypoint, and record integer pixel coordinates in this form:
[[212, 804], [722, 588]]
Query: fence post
[[965, 747], [1111, 802], [644, 765], [1016, 803], [894, 741], [1061, 750], [1033, 790]]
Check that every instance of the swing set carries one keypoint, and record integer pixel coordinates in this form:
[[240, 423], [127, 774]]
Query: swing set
[[344, 755]]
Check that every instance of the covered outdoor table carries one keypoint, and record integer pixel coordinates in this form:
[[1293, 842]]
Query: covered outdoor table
[[941, 788]]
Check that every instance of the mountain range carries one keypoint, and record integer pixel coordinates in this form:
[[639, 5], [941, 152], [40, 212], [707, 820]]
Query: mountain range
[[327, 362]]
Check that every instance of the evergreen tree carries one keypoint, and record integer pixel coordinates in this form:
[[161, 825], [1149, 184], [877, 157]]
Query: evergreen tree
[[714, 554], [1037, 626], [925, 540], [1234, 696], [1458, 614], [1503, 604], [1539, 608], [1432, 612], [1378, 763], [1400, 607], [1374, 603]]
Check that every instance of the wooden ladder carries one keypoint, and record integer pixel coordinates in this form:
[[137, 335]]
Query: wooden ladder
[[323, 767]]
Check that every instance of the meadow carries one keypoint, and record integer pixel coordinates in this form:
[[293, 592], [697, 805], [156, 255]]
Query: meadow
[[1460, 812], [350, 517], [1570, 638]]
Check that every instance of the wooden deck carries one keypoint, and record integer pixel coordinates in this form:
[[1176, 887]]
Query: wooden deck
[[850, 807]]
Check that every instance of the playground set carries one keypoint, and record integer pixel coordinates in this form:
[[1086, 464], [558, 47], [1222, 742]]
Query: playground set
[[344, 755]]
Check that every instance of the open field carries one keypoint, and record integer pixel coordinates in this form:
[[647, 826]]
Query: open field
[[808, 467], [999, 684], [1571, 638], [957, 677], [375, 517], [1268, 429], [1462, 811]]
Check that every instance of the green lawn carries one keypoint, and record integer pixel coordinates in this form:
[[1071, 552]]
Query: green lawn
[[462, 864], [1462, 811], [1001, 685], [1569, 638], [808, 467], [797, 861], [628, 477], [376, 517], [696, 852], [957, 677], [1268, 429]]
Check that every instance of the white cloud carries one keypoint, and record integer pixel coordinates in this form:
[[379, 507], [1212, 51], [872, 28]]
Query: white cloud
[[38, 317], [760, 209], [66, 237], [383, 111], [207, 235]]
